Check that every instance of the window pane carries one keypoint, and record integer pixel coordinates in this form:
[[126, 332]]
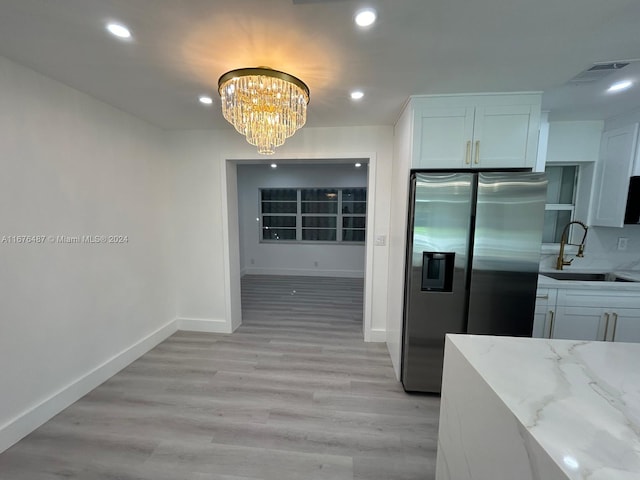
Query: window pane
[[354, 207], [353, 222], [554, 222], [319, 234], [279, 207], [354, 194], [320, 194], [278, 233], [287, 194], [320, 207], [279, 221], [349, 235], [321, 222], [561, 184]]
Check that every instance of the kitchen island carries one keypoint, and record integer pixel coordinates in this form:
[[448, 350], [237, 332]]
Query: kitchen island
[[523, 408]]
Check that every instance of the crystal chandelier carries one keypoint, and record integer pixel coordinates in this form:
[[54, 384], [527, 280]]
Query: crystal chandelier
[[265, 105]]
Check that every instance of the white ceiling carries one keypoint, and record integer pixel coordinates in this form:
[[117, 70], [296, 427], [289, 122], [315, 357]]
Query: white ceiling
[[181, 47]]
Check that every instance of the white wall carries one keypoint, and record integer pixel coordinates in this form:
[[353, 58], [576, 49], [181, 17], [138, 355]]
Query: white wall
[[398, 237], [73, 314], [290, 258], [601, 253], [200, 279], [208, 250]]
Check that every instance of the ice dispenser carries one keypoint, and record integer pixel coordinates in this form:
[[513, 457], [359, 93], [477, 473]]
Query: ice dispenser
[[437, 271]]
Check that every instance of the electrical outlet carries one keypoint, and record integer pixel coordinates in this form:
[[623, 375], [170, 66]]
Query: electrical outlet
[[622, 243]]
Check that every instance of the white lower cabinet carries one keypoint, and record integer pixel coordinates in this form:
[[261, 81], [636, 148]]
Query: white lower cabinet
[[579, 323], [626, 325], [587, 315], [544, 313]]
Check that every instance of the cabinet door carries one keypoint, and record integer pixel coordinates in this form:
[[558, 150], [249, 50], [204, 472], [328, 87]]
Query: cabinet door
[[542, 322], [539, 319], [612, 177], [579, 323], [625, 325], [544, 313], [502, 137], [443, 137]]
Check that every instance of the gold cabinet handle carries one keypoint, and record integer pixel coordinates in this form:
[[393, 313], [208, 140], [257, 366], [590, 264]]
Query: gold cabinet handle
[[477, 160], [542, 296], [552, 316], [615, 326], [467, 155], [606, 326]]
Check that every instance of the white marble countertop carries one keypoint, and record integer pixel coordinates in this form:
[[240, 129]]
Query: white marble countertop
[[579, 400], [630, 286]]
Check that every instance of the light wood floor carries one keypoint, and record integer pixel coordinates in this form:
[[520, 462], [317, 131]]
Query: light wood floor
[[293, 394]]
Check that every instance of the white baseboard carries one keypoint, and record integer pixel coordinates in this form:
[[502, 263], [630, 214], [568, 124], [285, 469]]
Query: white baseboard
[[208, 325], [377, 336], [31, 419], [304, 272]]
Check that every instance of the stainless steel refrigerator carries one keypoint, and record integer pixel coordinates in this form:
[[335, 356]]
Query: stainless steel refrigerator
[[473, 251]]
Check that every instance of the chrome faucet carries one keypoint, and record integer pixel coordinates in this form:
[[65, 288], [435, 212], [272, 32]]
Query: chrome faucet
[[561, 262]]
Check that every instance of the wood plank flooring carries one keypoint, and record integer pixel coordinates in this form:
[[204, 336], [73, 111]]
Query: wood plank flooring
[[294, 393]]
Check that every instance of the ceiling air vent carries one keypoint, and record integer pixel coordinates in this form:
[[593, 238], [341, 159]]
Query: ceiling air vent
[[303, 2], [597, 72]]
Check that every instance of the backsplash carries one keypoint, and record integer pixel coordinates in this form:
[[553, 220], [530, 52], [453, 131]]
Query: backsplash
[[601, 251]]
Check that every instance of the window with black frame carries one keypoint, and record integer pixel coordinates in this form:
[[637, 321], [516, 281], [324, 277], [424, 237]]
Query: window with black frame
[[279, 207], [334, 215]]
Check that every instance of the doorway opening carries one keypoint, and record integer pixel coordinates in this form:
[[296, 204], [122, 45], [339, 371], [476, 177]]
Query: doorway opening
[[300, 229]]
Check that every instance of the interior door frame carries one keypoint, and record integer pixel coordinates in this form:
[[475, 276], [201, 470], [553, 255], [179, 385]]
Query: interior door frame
[[231, 234]]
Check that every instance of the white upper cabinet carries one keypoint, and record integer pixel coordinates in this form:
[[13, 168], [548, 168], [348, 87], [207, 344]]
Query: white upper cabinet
[[617, 150], [574, 142], [475, 131], [444, 137]]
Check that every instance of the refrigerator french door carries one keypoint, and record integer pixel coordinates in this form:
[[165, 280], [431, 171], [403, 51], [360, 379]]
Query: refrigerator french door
[[473, 250]]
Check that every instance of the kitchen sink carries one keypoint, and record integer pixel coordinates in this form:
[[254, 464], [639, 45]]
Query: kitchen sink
[[588, 277]]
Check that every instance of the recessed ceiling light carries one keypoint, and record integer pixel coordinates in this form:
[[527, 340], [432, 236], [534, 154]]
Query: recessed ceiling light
[[366, 17], [273, 165], [119, 30], [206, 100], [358, 165], [619, 86], [357, 95]]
